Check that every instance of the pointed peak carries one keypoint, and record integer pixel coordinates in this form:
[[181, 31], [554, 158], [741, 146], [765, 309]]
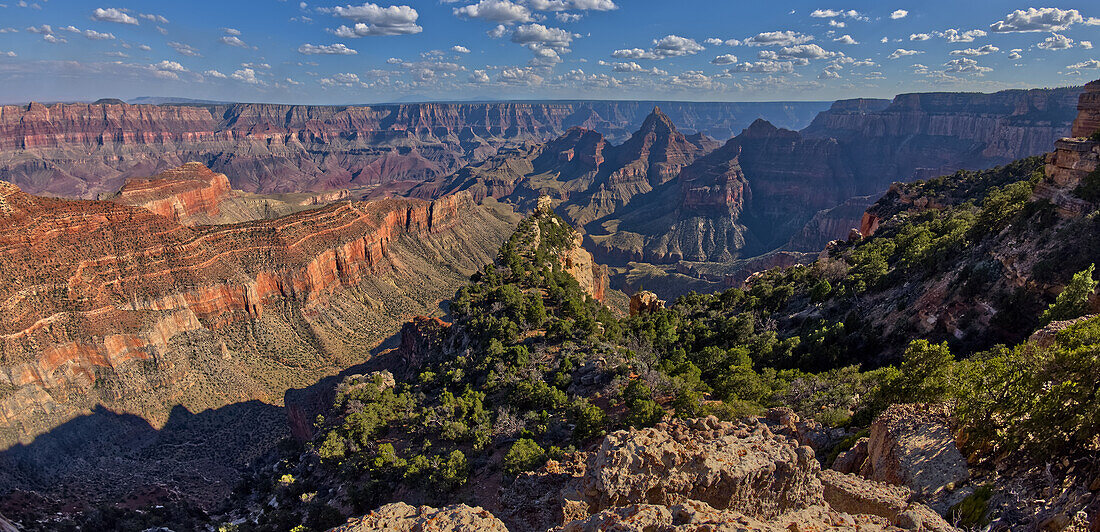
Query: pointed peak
[[657, 120]]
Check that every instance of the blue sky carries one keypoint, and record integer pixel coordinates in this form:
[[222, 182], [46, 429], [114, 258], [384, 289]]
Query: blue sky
[[326, 52]]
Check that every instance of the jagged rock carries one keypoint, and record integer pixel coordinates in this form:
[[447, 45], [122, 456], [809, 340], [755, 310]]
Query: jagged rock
[[703, 474], [736, 467], [808, 432], [1046, 336], [400, 517], [645, 301], [852, 460], [421, 338], [855, 495], [913, 445]]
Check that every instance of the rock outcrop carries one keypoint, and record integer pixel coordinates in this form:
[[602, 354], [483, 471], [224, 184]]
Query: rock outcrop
[[704, 474], [911, 445], [644, 302], [400, 517], [180, 194], [1074, 157]]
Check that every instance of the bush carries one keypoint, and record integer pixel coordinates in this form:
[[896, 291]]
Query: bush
[[1073, 301], [525, 455]]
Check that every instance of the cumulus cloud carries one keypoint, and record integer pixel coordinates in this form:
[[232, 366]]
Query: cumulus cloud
[[832, 13], [459, 49], [233, 40], [902, 52], [918, 37], [479, 76], [778, 38], [1014, 53], [1085, 44], [503, 11], [8, 53], [974, 52], [170, 65], [1041, 19], [633, 68], [965, 65], [1056, 42], [954, 35], [805, 51], [663, 48], [113, 15], [247, 75], [845, 39], [215, 74], [519, 76], [326, 49], [372, 19], [900, 13], [184, 49], [1090, 64], [724, 59], [545, 42]]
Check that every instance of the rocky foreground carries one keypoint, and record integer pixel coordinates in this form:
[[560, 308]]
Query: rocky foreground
[[691, 475]]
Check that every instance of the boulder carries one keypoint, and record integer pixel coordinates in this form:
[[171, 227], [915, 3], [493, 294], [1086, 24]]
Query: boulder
[[401, 517], [645, 301], [912, 445]]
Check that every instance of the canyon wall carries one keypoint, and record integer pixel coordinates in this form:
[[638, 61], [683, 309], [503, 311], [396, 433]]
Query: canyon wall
[[89, 150], [138, 313]]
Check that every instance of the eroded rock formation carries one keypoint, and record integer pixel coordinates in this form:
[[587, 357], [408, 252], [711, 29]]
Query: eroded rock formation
[[400, 517], [701, 473], [132, 310]]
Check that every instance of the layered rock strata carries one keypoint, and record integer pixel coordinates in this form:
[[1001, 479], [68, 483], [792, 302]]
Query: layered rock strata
[[134, 311]]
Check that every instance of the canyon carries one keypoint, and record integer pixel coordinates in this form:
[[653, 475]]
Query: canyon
[[114, 317], [88, 150]]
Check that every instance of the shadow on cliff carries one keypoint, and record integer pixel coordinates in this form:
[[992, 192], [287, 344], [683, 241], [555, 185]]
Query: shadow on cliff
[[120, 458]]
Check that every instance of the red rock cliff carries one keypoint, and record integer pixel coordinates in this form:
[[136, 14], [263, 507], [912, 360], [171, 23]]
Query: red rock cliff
[[179, 193]]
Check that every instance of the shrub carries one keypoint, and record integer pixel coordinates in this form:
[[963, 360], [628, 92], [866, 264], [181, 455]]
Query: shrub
[[525, 455], [1073, 301]]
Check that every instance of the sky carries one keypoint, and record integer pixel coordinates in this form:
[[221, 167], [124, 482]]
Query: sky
[[455, 50]]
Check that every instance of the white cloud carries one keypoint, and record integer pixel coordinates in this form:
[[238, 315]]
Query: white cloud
[[902, 52], [562, 5], [215, 74], [634, 68], [845, 39], [974, 52], [232, 31], [184, 49], [247, 75], [8, 30], [500, 31], [832, 13], [97, 36], [1041, 19], [724, 59], [1014, 54], [503, 11], [954, 35], [372, 19], [113, 15], [257, 66], [769, 67], [233, 40], [806, 51], [519, 76], [714, 41], [663, 48], [834, 23], [828, 74], [915, 37], [459, 49], [778, 38], [1056, 42], [144, 47], [153, 18], [1090, 64], [965, 65], [44, 29], [900, 13], [568, 17], [1085, 44], [479, 76], [538, 37], [170, 66], [53, 39], [8, 53], [326, 49]]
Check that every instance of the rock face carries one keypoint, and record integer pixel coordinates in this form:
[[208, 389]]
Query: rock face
[[82, 150], [644, 302], [180, 194], [137, 313], [1074, 157], [1088, 111], [911, 445], [400, 517], [703, 473]]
